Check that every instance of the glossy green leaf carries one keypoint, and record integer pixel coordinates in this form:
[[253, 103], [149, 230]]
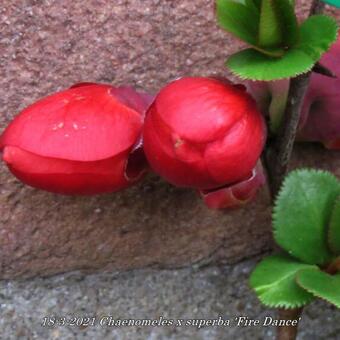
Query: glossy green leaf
[[334, 229], [316, 35], [274, 281], [302, 212], [254, 65], [321, 284], [255, 5], [278, 24], [288, 22], [270, 30], [238, 19]]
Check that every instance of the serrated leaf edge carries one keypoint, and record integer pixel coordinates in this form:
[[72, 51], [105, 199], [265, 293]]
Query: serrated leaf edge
[[284, 185], [284, 305], [243, 77], [331, 20], [295, 74], [316, 295]]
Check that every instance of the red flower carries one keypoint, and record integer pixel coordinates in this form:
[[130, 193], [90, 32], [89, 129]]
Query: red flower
[[203, 133], [84, 140]]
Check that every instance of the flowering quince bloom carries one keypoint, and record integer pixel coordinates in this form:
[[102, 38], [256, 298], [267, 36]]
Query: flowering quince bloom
[[208, 135], [83, 140]]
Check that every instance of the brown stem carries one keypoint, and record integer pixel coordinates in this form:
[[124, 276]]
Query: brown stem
[[279, 154], [288, 332], [277, 159]]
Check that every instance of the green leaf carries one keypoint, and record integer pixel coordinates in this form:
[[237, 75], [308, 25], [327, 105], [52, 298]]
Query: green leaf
[[254, 5], [321, 284], [238, 19], [301, 214], [274, 282], [334, 229], [257, 3], [254, 65], [270, 33], [288, 22], [317, 33], [278, 24]]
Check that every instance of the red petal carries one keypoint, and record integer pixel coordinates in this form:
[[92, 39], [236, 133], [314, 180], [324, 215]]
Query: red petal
[[159, 146], [237, 194], [127, 95], [233, 158], [68, 177], [201, 109], [85, 123]]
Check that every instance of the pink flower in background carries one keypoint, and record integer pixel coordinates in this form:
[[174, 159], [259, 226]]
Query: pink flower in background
[[320, 119]]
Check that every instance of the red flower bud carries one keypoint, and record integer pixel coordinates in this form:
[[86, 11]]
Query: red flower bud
[[203, 133], [83, 140]]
